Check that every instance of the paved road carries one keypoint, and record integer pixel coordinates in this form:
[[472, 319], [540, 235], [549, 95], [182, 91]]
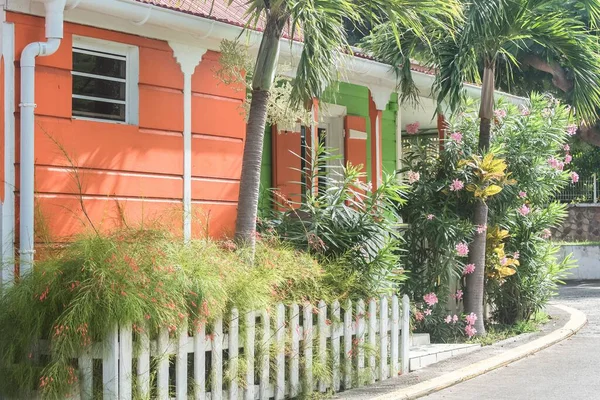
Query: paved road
[[569, 370]]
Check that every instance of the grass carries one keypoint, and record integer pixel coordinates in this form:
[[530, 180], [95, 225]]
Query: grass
[[497, 332]]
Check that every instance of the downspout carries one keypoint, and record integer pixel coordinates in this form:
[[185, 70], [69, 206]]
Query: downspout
[[54, 34]]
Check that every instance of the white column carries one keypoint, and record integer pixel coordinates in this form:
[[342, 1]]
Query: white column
[[7, 231], [399, 136], [381, 96], [188, 58]]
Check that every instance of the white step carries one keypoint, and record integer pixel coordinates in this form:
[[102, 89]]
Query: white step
[[424, 355], [419, 339]]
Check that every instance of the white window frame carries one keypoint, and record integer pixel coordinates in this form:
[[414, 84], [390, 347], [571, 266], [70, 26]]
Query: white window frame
[[122, 51]]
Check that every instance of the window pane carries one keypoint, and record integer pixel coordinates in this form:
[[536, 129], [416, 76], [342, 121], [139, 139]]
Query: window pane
[[98, 65], [96, 87], [98, 109]]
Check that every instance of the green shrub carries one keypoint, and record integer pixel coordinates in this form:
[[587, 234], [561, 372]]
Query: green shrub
[[147, 278], [521, 266], [345, 224]]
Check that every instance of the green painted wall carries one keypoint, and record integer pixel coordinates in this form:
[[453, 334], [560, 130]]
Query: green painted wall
[[266, 171], [356, 100]]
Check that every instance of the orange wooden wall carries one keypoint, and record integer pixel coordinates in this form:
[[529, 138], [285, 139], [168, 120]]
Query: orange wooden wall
[[135, 172]]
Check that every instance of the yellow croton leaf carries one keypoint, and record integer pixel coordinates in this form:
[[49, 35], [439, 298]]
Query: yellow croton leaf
[[492, 190], [504, 272], [471, 187]]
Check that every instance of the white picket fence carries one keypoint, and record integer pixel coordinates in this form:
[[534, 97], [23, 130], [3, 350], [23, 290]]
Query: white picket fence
[[276, 354]]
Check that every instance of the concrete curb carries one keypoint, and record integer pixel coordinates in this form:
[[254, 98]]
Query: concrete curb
[[575, 323]]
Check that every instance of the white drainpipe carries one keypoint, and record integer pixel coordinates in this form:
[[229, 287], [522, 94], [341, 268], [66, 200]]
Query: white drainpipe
[[54, 34]]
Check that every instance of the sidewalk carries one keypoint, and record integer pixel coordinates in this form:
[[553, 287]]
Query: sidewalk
[[446, 373]]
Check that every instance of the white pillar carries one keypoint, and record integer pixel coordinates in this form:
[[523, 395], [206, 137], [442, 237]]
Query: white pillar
[[188, 58], [381, 97], [399, 137], [7, 265]]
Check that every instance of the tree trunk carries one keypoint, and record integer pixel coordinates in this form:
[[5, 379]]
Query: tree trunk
[[475, 289], [264, 76]]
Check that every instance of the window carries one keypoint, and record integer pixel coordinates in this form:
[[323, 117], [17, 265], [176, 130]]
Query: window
[[105, 81]]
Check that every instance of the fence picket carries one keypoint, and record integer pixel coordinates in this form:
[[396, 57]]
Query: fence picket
[[86, 366], [280, 358], [125, 362], [405, 334], [322, 324], [181, 384], [307, 345], [143, 366], [200, 362], [335, 345], [216, 392], [163, 365], [360, 336], [110, 365], [348, 346], [263, 387], [233, 354], [372, 339], [294, 350], [395, 336], [249, 352], [383, 338]]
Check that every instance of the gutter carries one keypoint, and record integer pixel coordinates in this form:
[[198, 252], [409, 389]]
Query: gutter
[[54, 34]]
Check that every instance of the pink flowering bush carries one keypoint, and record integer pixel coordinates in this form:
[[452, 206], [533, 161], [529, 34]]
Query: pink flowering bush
[[532, 141]]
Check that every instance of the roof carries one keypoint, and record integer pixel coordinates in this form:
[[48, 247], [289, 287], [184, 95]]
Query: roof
[[235, 14]]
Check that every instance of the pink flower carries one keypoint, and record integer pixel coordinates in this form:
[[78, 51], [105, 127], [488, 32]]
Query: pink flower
[[413, 177], [430, 217], [481, 228], [448, 319], [455, 318], [546, 234], [500, 113], [471, 318], [522, 194], [457, 137], [524, 111], [553, 162], [469, 269], [419, 316], [516, 255], [574, 177], [571, 130], [503, 261], [413, 128], [458, 295], [462, 249], [431, 299], [456, 185], [568, 159], [566, 147], [524, 210], [560, 166], [428, 312], [470, 331]]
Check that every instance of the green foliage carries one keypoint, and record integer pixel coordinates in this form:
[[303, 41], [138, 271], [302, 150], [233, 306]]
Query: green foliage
[[147, 278], [525, 162], [344, 223]]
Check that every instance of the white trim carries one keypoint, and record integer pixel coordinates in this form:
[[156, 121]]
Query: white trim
[[357, 135], [8, 207], [378, 144], [329, 110], [399, 137], [103, 77], [188, 58], [118, 51]]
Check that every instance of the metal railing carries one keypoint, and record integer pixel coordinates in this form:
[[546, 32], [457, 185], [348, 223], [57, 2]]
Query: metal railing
[[584, 191]]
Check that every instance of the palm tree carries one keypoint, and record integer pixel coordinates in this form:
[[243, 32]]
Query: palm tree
[[548, 35], [321, 23]]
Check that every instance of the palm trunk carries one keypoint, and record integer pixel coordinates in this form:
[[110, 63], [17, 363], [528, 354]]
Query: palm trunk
[[474, 292], [264, 76]]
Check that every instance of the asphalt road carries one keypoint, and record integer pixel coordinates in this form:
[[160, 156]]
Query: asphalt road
[[565, 371]]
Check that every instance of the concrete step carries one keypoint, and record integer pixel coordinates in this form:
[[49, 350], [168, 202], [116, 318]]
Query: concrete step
[[424, 355], [419, 339]]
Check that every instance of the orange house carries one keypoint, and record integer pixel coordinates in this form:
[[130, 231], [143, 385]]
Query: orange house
[[112, 114]]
